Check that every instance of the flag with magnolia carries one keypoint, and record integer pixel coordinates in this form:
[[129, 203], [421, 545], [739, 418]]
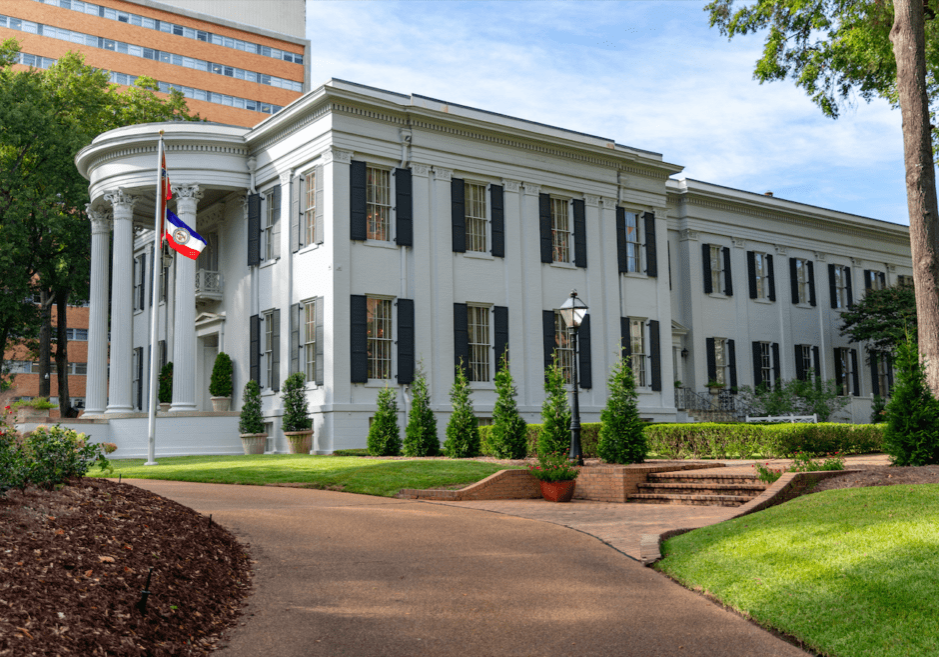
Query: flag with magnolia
[[181, 238]]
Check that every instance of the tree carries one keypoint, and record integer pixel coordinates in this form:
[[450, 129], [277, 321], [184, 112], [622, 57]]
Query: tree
[[384, 436], [296, 414], [555, 413], [874, 48], [910, 437], [622, 437], [420, 436], [881, 319], [509, 437], [251, 420], [463, 428]]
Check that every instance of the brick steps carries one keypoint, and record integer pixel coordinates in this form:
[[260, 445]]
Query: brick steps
[[690, 488], [689, 500]]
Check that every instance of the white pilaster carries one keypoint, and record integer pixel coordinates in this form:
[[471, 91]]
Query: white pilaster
[[122, 325], [184, 328], [96, 385]]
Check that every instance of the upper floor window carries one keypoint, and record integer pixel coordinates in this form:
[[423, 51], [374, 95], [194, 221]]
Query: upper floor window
[[476, 223], [717, 267], [904, 281], [633, 244], [841, 285], [637, 345], [380, 337], [560, 230], [270, 227], [140, 293], [378, 208], [309, 209], [803, 281], [760, 269], [480, 342], [874, 280], [76, 334]]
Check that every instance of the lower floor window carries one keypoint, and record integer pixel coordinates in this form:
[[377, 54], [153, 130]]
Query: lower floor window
[[379, 338], [637, 346], [564, 349], [479, 342]]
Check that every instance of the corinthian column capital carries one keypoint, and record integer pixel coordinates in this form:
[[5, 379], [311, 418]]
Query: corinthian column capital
[[122, 202], [100, 220], [187, 197]]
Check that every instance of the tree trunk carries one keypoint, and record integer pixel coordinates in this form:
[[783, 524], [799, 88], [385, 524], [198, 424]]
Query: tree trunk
[[908, 36], [45, 342], [61, 352]]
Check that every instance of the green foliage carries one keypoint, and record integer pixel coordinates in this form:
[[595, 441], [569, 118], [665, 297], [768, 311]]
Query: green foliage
[[165, 392], [555, 412], [589, 439], [621, 436], [554, 466], [48, 457], [384, 436], [767, 474], [881, 319], [222, 376], [795, 397], [911, 434], [420, 435], [251, 420], [508, 430], [878, 409], [463, 428], [296, 416], [40, 403]]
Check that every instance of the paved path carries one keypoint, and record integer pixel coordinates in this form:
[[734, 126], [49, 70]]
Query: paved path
[[344, 574]]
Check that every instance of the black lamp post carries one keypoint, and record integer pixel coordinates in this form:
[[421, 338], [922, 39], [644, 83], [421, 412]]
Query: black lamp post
[[573, 311]]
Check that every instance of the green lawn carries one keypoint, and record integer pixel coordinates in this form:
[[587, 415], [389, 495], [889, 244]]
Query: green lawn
[[850, 572], [353, 474]]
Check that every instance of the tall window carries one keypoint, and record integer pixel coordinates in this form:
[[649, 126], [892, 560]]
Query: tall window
[[904, 281], [309, 339], [268, 350], [475, 199], [164, 281], [479, 342], [720, 361], [378, 210], [761, 271], [379, 338], [309, 210], [637, 344], [270, 231], [717, 269], [766, 364], [564, 348], [878, 280], [844, 372], [805, 355], [841, 286], [883, 376], [137, 372], [802, 280], [560, 230], [633, 258], [139, 277]]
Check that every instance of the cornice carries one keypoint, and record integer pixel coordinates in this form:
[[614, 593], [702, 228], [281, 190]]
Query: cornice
[[171, 148]]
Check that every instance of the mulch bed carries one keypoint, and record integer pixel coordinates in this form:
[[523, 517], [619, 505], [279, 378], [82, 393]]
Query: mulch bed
[[881, 475], [73, 563]]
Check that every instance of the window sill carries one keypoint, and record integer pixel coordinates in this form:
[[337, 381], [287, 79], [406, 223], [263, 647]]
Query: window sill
[[480, 255], [482, 385], [268, 263], [719, 295], [804, 305], [381, 244], [267, 392], [379, 383], [563, 265], [635, 274], [307, 248], [767, 302]]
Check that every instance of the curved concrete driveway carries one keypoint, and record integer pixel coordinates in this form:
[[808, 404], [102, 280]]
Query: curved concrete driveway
[[356, 575]]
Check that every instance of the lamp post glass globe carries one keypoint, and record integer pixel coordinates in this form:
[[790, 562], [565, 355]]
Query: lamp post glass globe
[[573, 311]]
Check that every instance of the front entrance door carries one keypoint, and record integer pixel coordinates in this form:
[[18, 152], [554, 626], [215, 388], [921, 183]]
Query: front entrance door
[[209, 347]]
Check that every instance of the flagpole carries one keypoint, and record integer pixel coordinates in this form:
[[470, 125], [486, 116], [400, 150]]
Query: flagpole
[[159, 216]]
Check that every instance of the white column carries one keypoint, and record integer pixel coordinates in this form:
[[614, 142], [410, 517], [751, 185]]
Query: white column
[[184, 326], [122, 326], [96, 384]]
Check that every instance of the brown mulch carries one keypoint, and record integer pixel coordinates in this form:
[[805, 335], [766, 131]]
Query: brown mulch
[[73, 563], [881, 475]]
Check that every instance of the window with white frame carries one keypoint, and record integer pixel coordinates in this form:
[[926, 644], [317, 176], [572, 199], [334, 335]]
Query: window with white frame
[[560, 230], [380, 338], [802, 280], [378, 209], [717, 268], [844, 371], [761, 273], [309, 339], [878, 280], [479, 342], [75, 334], [841, 286], [564, 349], [267, 351], [883, 376], [720, 361], [637, 345], [137, 371], [17, 367], [633, 246], [805, 355], [904, 281], [270, 229], [766, 364], [164, 282], [309, 210], [138, 283], [476, 224]]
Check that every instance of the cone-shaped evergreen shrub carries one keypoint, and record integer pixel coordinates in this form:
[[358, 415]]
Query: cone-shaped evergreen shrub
[[384, 436], [222, 373], [296, 417], [165, 391], [621, 435], [509, 432], [911, 436], [555, 413], [420, 436], [463, 429], [251, 420]]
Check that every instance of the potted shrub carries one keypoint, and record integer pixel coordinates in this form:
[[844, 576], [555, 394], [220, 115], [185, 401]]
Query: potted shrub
[[33, 410], [296, 422], [221, 385], [714, 386], [165, 391], [251, 424], [556, 475]]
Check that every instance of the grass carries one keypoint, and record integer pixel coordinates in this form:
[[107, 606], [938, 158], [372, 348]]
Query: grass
[[351, 474], [850, 572]]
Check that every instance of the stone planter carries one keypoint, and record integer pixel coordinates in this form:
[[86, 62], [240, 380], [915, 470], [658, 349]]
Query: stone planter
[[164, 407], [30, 414], [300, 442], [715, 391], [558, 491], [253, 443], [221, 404]]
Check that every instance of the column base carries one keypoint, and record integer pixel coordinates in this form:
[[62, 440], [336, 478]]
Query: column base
[[119, 409], [183, 407]]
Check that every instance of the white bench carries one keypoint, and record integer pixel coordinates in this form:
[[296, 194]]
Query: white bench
[[813, 419]]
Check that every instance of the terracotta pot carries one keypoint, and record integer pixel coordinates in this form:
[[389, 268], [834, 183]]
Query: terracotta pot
[[558, 491], [165, 407], [300, 442], [253, 443], [221, 404]]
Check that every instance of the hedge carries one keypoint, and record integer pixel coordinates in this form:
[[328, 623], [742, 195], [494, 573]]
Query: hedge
[[589, 438]]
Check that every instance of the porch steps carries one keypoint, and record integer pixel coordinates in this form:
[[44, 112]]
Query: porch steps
[[690, 488]]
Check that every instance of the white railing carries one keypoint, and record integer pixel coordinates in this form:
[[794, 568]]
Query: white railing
[[208, 285], [813, 419]]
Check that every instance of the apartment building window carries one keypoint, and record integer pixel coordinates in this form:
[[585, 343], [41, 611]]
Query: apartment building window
[[637, 345], [633, 244], [802, 276], [76, 335], [378, 200], [476, 221], [840, 286], [564, 349], [267, 352], [379, 332], [309, 205], [480, 342], [270, 228], [309, 339], [846, 371], [761, 275], [560, 230]]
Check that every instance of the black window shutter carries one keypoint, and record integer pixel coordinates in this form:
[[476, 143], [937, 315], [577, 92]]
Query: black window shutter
[[544, 221], [296, 310], [275, 212], [777, 367], [547, 326], [867, 279], [254, 348], [751, 273], [626, 349], [461, 336], [732, 353], [150, 283], [621, 239], [404, 213], [854, 374], [811, 267], [320, 365], [800, 366], [728, 277], [847, 281], [458, 214], [500, 318], [712, 361], [358, 202], [149, 370], [319, 197], [794, 279], [652, 258], [584, 361], [839, 372], [163, 354], [816, 365], [405, 340], [875, 384], [883, 279], [706, 263], [497, 224], [889, 377], [580, 233], [358, 324], [771, 275], [757, 364], [254, 229], [139, 351], [655, 355], [832, 286], [296, 214], [142, 301], [275, 351]]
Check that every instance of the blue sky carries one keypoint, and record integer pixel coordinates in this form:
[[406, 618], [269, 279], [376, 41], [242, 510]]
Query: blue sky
[[646, 73]]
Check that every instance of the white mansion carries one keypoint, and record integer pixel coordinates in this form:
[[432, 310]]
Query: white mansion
[[360, 234]]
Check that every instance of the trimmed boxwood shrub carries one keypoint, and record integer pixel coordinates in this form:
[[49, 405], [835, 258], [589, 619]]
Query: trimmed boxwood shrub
[[222, 376]]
